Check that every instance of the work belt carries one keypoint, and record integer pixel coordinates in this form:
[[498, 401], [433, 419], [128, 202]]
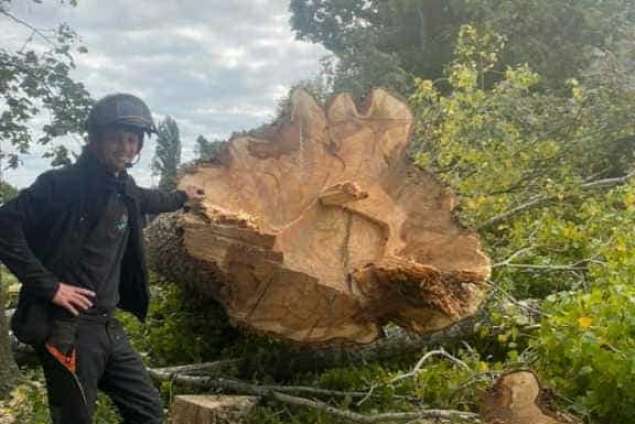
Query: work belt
[[97, 316]]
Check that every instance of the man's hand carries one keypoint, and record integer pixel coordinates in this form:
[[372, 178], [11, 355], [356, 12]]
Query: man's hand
[[73, 299], [194, 194]]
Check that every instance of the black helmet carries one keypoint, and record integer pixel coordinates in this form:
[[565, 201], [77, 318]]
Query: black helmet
[[120, 109]]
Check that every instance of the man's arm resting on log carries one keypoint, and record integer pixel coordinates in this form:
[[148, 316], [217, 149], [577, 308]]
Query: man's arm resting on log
[[155, 201]]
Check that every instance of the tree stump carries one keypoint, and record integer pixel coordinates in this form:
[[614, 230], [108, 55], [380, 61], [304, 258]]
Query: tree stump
[[209, 409], [319, 229], [518, 398]]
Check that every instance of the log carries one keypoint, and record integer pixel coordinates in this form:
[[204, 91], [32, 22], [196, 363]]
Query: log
[[211, 409], [319, 229], [518, 398]]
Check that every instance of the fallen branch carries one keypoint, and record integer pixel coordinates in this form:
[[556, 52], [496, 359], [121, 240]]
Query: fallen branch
[[169, 372], [533, 267], [160, 374], [525, 305], [415, 370], [512, 256], [278, 393], [428, 414], [517, 210]]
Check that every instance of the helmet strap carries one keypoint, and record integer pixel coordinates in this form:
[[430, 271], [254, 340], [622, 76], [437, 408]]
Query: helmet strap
[[133, 163]]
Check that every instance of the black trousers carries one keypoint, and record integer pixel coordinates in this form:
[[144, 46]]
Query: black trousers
[[105, 361]]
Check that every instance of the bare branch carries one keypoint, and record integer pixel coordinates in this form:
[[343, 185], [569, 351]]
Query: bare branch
[[512, 256], [424, 358], [167, 374], [276, 392], [33, 29], [512, 299], [537, 201], [541, 200], [608, 182], [572, 267], [433, 414], [27, 42]]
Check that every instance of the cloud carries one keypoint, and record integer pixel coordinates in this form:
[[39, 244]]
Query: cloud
[[216, 66]]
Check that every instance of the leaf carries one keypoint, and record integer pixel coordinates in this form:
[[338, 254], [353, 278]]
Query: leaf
[[585, 322]]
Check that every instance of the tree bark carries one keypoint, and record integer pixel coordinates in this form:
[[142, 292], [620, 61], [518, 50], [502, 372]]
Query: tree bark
[[319, 229], [8, 368], [518, 398]]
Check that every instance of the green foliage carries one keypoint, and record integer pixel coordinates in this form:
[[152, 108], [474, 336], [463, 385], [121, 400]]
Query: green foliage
[[586, 349], [376, 43], [207, 150], [10, 287], [316, 88], [34, 79], [539, 172], [440, 383], [179, 329], [585, 345], [167, 156], [7, 192], [508, 146], [386, 42]]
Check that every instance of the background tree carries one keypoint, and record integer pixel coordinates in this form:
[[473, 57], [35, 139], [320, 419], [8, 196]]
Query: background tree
[[35, 78], [387, 42], [167, 156], [7, 191], [205, 149]]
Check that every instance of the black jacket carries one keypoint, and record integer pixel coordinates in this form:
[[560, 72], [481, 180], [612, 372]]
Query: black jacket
[[42, 232]]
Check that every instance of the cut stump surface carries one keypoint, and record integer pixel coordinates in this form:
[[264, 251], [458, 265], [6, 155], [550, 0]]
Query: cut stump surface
[[319, 229], [209, 409]]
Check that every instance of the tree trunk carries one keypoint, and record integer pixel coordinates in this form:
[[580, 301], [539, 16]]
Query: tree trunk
[[319, 229], [8, 368]]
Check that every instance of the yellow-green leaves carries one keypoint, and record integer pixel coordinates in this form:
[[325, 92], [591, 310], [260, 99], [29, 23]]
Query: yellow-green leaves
[[478, 49], [547, 168], [585, 348]]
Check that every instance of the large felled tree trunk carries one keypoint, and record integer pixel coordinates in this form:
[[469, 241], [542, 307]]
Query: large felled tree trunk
[[318, 229]]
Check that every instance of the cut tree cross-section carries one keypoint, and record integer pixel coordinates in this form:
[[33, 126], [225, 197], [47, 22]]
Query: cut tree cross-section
[[319, 229]]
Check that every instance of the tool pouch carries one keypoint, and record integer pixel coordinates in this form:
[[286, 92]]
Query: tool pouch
[[31, 322], [61, 342]]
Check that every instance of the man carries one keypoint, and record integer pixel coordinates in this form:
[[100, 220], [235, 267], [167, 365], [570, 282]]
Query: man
[[74, 241]]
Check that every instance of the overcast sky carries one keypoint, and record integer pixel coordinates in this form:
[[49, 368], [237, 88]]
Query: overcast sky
[[216, 66]]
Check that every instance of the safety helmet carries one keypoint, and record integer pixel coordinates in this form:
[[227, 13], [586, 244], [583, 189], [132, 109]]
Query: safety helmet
[[120, 109]]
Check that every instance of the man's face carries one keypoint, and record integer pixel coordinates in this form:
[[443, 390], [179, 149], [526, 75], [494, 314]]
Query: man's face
[[117, 148]]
